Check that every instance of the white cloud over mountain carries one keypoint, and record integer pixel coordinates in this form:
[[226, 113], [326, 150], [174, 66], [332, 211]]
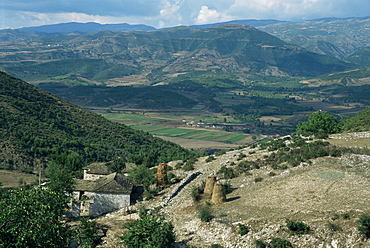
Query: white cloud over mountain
[[163, 13]]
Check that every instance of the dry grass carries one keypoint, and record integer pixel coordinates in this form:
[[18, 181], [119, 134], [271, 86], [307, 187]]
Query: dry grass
[[360, 142], [200, 144], [13, 179]]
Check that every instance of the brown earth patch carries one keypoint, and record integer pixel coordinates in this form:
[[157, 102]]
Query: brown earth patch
[[13, 179]]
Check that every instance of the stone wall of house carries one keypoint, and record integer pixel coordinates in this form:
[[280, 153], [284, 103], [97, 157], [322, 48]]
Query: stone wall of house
[[92, 177], [106, 202]]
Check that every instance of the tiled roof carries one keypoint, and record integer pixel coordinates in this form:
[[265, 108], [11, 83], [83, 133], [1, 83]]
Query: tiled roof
[[113, 183], [97, 168]]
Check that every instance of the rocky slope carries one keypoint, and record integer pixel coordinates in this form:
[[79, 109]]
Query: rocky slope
[[326, 190]]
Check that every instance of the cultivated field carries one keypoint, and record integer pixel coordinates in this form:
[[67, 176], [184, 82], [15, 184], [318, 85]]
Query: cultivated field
[[171, 127]]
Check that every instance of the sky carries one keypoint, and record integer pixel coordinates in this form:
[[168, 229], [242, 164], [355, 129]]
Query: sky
[[168, 13]]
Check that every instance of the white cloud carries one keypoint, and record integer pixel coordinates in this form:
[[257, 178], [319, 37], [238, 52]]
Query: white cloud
[[207, 15], [298, 9], [170, 13], [27, 19], [166, 13]]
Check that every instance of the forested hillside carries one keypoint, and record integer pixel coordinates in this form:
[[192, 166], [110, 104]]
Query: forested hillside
[[35, 125], [357, 123]]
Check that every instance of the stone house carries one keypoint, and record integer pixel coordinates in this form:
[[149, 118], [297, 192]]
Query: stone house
[[100, 191]]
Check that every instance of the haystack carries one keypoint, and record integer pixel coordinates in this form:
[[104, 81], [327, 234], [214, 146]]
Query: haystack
[[218, 194], [208, 189], [161, 175]]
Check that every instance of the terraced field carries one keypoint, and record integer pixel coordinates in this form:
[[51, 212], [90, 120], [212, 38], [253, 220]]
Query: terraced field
[[187, 133]]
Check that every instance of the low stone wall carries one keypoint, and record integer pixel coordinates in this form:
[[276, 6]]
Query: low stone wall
[[180, 186]]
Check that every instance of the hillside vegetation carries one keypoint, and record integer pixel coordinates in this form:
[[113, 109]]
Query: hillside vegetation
[[35, 125], [357, 123]]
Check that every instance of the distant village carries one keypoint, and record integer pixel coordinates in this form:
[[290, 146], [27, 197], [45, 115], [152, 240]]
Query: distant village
[[233, 126]]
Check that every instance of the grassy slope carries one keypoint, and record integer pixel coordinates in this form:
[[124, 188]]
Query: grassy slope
[[357, 123]]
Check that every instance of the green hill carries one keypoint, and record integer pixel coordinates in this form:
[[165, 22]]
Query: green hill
[[158, 97], [338, 37], [361, 57], [35, 125], [357, 123]]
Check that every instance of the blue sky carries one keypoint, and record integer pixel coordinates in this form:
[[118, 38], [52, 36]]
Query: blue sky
[[167, 13]]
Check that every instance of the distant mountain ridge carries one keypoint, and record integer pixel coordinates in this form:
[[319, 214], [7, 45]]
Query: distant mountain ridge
[[249, 22], [89, 27], [158, 55], [337, 37], [92, 27]]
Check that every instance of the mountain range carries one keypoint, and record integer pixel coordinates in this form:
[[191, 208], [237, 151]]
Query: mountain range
[[89, 27], [337, 37], [157, 56]]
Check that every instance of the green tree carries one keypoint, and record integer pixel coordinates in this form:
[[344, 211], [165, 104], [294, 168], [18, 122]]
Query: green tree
[[87, 234], [319, 123], [61, 173], [148, 231], [142, 175], [30, 218], [117, 164]]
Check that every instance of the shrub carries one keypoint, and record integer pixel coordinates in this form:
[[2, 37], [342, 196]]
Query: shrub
[[333, 227], [280, 243], [171, 176], [260, 244], [148, 231], [227, 172], [244, 166], [364, 227], [227, 187], [335, 217], [321, 135], [87, 234], [335, 152], [188, 167], [258, 179], [205, 212], [241, 156], [195, 193], [179, 165], [216, 246], [220, 153], [243, 229], [210, 158], [346, 216], [297, 227]]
